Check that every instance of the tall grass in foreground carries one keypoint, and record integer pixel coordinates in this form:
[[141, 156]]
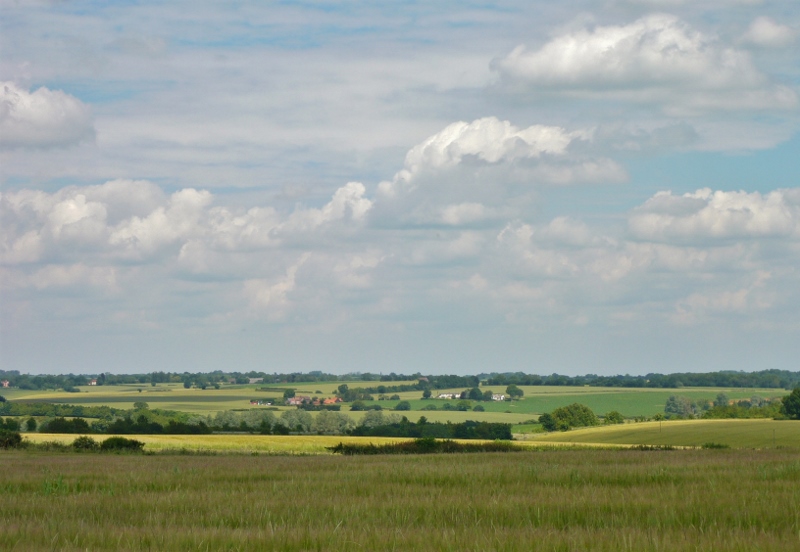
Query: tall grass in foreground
[[556, 500]]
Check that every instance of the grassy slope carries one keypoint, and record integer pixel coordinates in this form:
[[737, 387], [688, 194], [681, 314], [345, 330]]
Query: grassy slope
[[734, 433]]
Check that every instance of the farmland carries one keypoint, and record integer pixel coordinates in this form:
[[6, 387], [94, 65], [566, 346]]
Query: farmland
[[605, 500], [538, 399]]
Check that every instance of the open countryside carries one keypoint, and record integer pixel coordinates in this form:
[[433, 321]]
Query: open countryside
[[642, 476]]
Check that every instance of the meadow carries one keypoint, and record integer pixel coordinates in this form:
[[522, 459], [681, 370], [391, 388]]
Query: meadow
[[604, 500]]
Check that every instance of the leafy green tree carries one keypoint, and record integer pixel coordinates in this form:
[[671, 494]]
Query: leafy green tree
[[31, 424], [613, 417], [514, 392], [791, 404], [680, 407], [426, 394], [140, 405], [289, 394], [721, 400], [10, 424], [574, 415], [332, 423], [373, 418], [548, 422], [296, 420], [475, 394], [403, 405]]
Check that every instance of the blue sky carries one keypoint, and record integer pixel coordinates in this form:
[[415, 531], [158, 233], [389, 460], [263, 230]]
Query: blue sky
[[343, 186]]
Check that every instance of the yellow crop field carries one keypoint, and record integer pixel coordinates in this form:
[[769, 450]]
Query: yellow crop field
[[220, 443]]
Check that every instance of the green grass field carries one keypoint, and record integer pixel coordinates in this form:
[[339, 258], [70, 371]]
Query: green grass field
[[561, 500], [759, 433]]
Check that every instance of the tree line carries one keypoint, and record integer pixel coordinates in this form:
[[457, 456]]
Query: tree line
[[774, 379]]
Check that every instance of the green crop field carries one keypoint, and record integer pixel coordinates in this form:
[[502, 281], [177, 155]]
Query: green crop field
[[600, 500], [757, 433], [629, 402]]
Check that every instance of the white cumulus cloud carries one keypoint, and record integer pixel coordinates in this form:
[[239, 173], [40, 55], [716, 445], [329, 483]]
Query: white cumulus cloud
[[658, 58], [43, 118]]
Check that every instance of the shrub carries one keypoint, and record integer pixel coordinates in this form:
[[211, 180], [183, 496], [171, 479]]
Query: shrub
[[478, 408], [425, 445], [613, 417], [85, 443], [120, 444], [715, 446], [403, 405], [10, 439]]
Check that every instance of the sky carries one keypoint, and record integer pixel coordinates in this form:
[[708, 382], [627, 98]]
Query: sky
[[607, 186]]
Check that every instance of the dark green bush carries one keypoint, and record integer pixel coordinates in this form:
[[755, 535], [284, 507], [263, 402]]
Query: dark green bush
[[423, 446], [85, 443], [10, 439], [715, 446], [121, 444]]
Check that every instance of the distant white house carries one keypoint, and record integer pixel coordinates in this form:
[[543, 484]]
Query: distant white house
[[5, 383], [93, 382], [498, 397], [449, 396]]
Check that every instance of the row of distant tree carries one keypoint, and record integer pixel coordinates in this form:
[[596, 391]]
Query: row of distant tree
[[70, 382], [416, 382], [775, 379]]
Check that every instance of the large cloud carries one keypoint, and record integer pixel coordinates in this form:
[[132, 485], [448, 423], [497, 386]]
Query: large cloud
[[469, 172], [42, 119], [658, 58]]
